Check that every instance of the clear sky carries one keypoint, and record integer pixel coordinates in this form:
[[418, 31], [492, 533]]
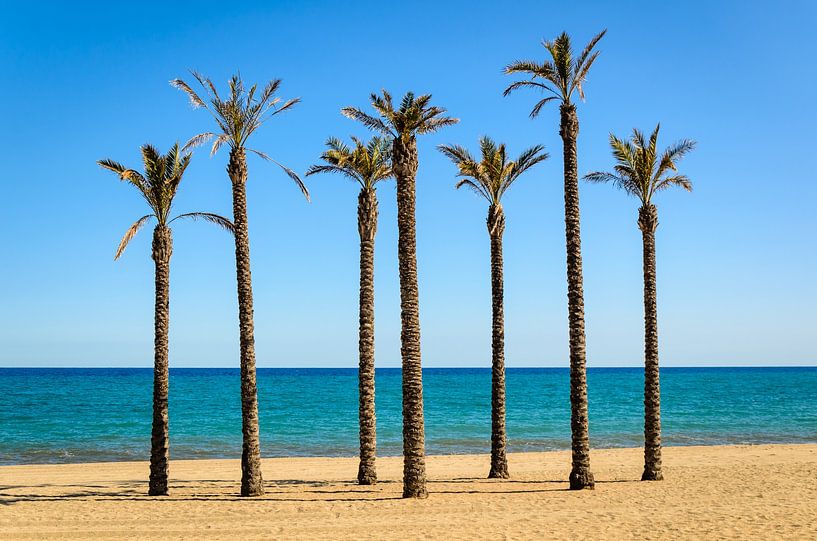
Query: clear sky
[[736, 258]]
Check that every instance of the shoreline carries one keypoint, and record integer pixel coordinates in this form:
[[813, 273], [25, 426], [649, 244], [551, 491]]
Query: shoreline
[[217, 459], [738, 491]]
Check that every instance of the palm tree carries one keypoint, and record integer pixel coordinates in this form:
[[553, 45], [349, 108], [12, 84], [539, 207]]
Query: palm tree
[[559, 78], [366, 164], [641, 172], [491, 177], [414, 116], [238, 117], [158, 185]]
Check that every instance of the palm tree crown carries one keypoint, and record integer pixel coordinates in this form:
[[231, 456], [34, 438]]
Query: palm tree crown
[[158, 186], [413, 116], [367, 164], [238, 116], [639, 169], [559, 77], [494, 173]]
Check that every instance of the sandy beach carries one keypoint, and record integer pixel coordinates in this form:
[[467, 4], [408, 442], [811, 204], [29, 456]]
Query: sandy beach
[[729, 492]]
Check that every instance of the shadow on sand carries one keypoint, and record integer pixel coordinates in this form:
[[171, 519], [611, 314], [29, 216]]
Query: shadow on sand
[[276, 490]]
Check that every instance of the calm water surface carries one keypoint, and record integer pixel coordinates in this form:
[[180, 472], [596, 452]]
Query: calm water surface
[[80, 415]]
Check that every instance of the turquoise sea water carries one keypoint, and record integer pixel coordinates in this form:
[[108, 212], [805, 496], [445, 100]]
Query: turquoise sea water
[[81, 415]]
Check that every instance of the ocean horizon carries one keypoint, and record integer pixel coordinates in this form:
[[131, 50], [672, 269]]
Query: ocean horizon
[[65, 415]]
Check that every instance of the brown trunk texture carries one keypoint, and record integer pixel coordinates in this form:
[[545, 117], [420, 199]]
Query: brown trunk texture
[[251, 482], [404, 164], [160, 433], [499, 459], [367, 227], [647, 223], [580, 475]]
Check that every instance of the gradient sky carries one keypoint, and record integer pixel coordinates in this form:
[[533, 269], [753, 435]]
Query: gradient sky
[[736, 258]]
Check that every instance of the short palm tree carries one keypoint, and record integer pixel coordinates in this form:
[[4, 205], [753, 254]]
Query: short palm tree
[[158, 185], [490, 178], [642, 172], [414, 116], [237, 117], [366, 164], [559, 78]]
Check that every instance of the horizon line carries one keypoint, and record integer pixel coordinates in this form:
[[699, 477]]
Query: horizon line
[[400, 368]]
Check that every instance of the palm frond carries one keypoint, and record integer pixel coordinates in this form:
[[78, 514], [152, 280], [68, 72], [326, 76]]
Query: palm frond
[[220, 140], [561, 52], [433, 124], [195, 100], [682, 181], [529, 83], [262, 155], [373, 123], [269, 90], [130, 233], [114, 166], [241, 113], [541, 103], [456, 153], [544, 70], [286, 106], [290, 173], [344, 171], [162, 175], [415, 115], [638, 169], [529, 158], [220, 221], [338, 146], [580, 63], [123, 172], [366, 163], [477, 188], [599, 177], [207, 84], [565, 73], [494, 174], [197, 140], [673, 154], [581, 76]]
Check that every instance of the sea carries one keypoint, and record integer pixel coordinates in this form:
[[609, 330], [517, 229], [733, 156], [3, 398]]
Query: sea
[[63, 415]]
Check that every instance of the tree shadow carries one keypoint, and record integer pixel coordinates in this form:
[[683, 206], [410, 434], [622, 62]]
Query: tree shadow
[[276, 490]]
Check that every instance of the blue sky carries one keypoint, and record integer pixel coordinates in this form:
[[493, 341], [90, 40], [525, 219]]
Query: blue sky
[[736, 258]]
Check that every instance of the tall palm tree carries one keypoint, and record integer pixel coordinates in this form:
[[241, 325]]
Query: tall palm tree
[[366, 164], [414, 116], [641, 172], [238, 116], [490, 178], [158, 186], [559, 78]]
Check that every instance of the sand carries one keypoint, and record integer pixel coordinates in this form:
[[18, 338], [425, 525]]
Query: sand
[[729, 492]]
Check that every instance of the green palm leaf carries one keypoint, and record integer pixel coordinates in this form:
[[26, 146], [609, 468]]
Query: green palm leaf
[[366, 163], [639, 170], [561, 75], [494, 174], [414, 116]]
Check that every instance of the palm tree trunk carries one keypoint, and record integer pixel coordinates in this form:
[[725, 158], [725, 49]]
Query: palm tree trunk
[[647, 223], [160, 433], [580, 475], [367, 227], [404, 165], [252, 483], [499, 460]]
